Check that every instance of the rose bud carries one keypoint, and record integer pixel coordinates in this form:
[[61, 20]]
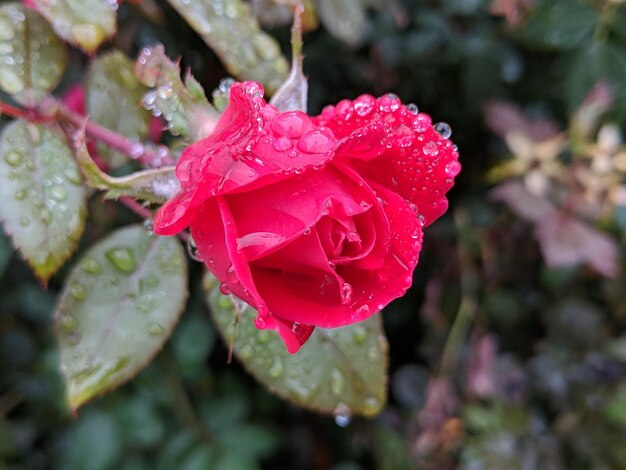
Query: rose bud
[[314, 221]]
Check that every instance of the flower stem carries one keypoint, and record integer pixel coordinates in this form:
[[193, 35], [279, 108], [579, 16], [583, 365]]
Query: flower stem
[[468, 306]]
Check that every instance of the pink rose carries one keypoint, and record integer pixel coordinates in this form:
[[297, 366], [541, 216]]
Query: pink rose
[[314, 221]]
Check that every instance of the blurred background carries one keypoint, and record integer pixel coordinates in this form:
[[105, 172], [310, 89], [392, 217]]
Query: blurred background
[[509, 351]]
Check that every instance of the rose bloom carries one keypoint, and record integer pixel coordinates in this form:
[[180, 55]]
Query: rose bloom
[[314, 221]]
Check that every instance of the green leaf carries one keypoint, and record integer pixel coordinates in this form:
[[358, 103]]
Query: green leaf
[[184, 106], [96, 443], [598, 61], [113, 100], [560, 25], [32, 58], [230, 29], [156, 185], [344, 20], [118, 307], [339, 370], [43, 200], [85, 23]]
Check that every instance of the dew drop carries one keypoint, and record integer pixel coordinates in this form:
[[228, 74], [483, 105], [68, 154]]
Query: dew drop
[[337, 381], [346, 293], [122, 259], [73, 175], [78, 291], [315, 142], [149, 100], [452, 168], [343, 415], [389, 103], [443, 129], [68, 323], [13, 157], [148, 225], [165, 92], [192, 250], [430, 149], [412, 108], [58, 192], [155, 329], [46, 216], [282, 144], [136, 150], [91, 265], [291, 124], [421, 122], [306, 231], [277, 369], [364, 105], [224, 289], [371, 405], [246, 351], [421, 219], [360, 334]]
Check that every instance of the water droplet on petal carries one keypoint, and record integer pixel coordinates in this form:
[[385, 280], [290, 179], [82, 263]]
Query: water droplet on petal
[[224, 289], [412, 108], [364, 105], [453, 168], [315, 142], [389, 103], [192, 250], [422, 122], [226, 84], [421, 219], [346, 293], [430, 149], [443, 129], [404, 136], [291, 124], [282, 144], [122, 259]]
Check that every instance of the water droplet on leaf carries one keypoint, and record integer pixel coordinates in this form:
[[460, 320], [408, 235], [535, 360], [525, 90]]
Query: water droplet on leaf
[[122, 259]]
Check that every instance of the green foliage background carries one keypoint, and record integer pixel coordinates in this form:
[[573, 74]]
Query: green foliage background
[[560, 359]]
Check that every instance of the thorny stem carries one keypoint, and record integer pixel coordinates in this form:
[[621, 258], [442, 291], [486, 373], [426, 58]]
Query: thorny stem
[[468, 306], [52, 109], [134, 150]]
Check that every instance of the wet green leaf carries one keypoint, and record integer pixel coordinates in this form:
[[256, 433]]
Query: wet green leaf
[[32, 58], [345, 19], [229, 28], [113, 100], [184, 106], [85, 23], [598, 61], [340, 370], [43, 200], [560, 25], [118, 307]]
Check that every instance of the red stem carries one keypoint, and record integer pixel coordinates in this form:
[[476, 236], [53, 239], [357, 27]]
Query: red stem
[[134, 150]]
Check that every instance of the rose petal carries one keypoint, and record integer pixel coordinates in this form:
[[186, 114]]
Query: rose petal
[[252, 145], [387, 143]]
